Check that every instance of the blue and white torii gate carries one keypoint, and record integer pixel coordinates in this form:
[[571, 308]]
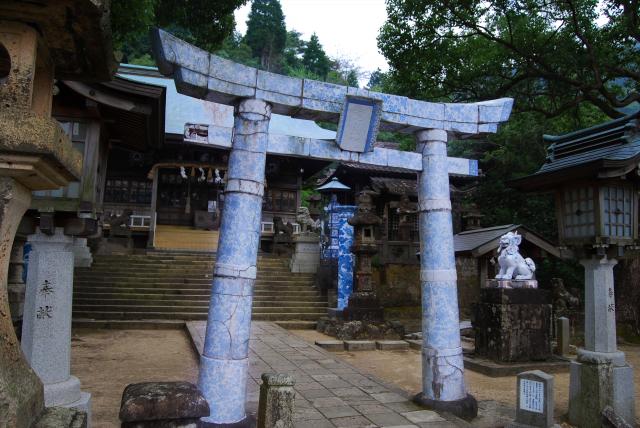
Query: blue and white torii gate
[[255, 95]]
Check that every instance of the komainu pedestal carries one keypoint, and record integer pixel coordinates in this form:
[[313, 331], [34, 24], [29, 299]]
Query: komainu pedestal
[[513, 324]]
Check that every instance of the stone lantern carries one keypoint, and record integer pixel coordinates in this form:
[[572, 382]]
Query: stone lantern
[[363, 302], [595, 177]]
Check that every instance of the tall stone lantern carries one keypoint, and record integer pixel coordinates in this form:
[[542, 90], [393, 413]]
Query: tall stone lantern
[[595, 176], [363, 302]]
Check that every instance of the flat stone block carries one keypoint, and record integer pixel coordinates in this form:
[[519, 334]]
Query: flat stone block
[[360, 345], [415, 344], [423, 416], [151, 401], [331, 345], [392, 345]]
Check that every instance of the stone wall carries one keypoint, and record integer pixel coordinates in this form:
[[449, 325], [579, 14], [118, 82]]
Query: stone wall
[[398, 285], [468, 283]]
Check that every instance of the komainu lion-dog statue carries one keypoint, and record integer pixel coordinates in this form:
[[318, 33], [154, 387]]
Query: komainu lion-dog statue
[[511, 262]]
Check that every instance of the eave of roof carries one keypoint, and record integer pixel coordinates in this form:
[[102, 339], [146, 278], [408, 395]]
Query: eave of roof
[[481, 241], [609, 149]]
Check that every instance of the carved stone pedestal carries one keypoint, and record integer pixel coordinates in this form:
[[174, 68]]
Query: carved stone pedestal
[[306, 256], [513, 324]]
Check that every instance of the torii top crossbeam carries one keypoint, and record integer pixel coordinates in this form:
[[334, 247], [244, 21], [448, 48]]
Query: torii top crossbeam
[[204, 75]]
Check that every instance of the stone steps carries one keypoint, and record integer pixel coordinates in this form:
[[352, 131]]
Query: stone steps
[[191, 316], [137, 301], [174, 286]]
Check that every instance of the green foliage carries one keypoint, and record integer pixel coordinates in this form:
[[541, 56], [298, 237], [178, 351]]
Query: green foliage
[[266, 33], [314, 58], [235, 49], [550, 56], [201, 22]]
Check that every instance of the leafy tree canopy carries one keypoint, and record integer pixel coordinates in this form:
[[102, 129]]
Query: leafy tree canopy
[[549, 56], [315, 59], [266, 33], [201, 22]]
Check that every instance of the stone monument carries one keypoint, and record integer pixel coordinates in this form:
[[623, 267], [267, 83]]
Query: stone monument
[[535, 403], [46, 329], [512, 321]]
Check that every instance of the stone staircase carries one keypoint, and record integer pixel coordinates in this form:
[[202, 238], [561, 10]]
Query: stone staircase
[[165, 285]]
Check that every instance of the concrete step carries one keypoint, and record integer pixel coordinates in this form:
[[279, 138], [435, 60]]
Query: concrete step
[[150, 301], [188, 316], [141, 276], [187, 283], [297, 325], [151, 324], [185, 291], [201, 307]]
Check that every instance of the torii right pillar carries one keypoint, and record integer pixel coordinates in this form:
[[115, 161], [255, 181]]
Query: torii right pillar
[[443, 385]]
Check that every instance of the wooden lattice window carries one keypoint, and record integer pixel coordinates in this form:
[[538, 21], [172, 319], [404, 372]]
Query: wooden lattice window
[[617, 211], [579, 212]]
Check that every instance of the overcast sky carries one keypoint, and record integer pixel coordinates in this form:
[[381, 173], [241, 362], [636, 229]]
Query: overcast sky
[[346, 28]]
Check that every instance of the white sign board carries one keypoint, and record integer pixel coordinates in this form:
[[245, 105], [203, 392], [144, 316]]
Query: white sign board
[[531, 395]]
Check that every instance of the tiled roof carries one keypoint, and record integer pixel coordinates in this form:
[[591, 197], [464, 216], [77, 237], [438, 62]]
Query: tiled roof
[[472, 239], [617, 140]]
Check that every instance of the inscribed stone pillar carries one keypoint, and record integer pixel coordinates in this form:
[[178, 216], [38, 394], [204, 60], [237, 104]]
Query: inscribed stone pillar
[[442, 364], [600, 376], [46, 328], [21, 391], [224, 363]]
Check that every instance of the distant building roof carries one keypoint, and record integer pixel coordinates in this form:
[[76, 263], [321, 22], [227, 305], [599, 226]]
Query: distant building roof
[[481, 241], [181, 109], [612, 146]]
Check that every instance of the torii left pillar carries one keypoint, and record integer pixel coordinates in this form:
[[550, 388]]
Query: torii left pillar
[[443, 385], [224, 362]]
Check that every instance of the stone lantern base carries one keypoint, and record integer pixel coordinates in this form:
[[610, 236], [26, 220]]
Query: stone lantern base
[[597, 380], [363, 306]]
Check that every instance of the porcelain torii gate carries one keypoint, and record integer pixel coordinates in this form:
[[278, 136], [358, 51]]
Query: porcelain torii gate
[[255, 95]]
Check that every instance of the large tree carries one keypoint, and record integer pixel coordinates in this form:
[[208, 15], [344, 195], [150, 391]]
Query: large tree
[[315, 58], [201, 22], [267, 33], [550, 56]]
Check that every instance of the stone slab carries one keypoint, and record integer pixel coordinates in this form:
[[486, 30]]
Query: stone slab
[[392, 345], [360, 345], [331, 345], [493, 369], [414, 344]]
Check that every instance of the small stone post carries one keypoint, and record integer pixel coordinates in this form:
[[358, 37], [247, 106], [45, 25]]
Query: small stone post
[[277, 401], [46, 328], [600, 376], [225, 359], [443, 385], [563, 336]]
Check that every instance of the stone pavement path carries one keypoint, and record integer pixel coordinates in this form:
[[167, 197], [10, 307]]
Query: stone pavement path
[[329, 392]]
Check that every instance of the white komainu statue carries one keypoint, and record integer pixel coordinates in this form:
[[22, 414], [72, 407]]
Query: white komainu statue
[[307, 224], [510, 260]]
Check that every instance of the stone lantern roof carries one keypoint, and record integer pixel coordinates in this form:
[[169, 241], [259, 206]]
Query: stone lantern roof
[[77, 34], [607, 150], [365, 215]]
